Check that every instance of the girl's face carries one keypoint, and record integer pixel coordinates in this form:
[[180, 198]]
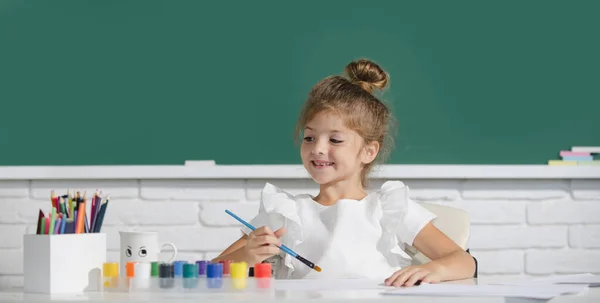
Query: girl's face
[[331, 152]]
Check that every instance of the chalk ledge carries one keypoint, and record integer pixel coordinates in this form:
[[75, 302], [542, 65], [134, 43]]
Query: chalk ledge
[[211, 171]]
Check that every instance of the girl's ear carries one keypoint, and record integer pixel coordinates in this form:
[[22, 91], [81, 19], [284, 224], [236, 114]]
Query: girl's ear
[[369, 152]]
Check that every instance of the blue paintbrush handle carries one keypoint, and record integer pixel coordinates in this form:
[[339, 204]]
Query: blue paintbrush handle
[[282, 247], [288, 251]]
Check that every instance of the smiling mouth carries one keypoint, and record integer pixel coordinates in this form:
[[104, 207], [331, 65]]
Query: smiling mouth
[[321, 163]]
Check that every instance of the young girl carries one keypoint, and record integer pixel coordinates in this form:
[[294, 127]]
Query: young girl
[[347, 231]]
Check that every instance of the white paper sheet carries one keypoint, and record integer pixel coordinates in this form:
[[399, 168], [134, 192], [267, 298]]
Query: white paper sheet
[[327, 284], [586, 278], [583, 279], [531, 291]]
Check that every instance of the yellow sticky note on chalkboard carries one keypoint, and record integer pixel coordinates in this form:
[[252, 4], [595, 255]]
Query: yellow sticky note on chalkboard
[[561, 163]]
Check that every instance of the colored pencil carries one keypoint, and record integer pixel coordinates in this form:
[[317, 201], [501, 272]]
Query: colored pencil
[[93, 208], [70, 200], [97, 212], [81, 217], [72, 206], [52, 198], [43, 226], [61, 203], [63, 225], [86, 226], [39, 229], [101, 214], [75, 220], [52, 220], [282, 247], [57, 226], [47, 225], [70, 226]]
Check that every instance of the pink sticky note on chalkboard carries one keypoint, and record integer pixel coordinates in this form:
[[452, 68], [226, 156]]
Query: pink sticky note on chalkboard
[[569, 153]]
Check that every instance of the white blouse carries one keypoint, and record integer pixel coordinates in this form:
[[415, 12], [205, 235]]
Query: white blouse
[[350, 239]]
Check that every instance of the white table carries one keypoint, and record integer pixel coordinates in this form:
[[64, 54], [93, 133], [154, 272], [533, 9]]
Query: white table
[[346, 296]]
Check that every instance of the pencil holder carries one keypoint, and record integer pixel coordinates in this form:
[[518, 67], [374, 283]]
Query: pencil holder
[[63, 263]]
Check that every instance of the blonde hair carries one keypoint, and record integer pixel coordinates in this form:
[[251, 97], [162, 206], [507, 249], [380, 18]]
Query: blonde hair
[[352, 98]]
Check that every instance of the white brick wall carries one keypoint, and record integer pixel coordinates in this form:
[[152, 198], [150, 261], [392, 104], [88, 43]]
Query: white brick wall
[[519, 227]]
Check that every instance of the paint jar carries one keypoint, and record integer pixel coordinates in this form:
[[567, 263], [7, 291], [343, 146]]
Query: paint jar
[[214, 275], [239, 273], [190, 277], [178, 272], [201, 268], [226, 267], [166, 276], [110, 276], [263, 276], [130, 273], [154, 276], [141, 280]]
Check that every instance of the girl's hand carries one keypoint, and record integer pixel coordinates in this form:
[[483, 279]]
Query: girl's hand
[[410, 275], [262, 243]]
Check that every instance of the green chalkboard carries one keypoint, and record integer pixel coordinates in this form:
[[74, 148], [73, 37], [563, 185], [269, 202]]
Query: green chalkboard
[[160, 82]]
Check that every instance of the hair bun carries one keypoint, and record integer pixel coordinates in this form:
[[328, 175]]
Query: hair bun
[[367, 74]]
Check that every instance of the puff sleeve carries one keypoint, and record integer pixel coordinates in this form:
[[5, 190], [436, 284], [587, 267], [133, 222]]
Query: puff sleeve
[[402, 216]]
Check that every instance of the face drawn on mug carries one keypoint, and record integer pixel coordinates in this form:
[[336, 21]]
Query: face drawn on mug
[[142, 252]]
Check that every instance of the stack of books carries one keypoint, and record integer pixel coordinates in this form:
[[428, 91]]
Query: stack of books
[[579, 155]]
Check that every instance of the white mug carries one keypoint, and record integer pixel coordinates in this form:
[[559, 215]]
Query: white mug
[[141, 246]]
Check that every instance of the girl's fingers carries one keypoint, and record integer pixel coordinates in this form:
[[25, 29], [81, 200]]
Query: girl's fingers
[[265, 230], [280, 232], [431, 278], [415, 277], [404, 276], [266, 240], [267, 250], [395, 275]]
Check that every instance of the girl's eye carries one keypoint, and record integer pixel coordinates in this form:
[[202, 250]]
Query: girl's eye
[[335, 141], [308, 139], [128, 252]]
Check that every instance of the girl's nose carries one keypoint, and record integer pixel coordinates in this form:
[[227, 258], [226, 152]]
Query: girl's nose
[[320, 147]]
